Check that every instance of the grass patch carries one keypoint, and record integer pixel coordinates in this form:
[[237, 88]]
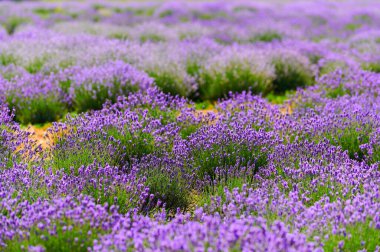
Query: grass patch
[[119, 36], [334, 93], [188, 130], [35, 66], [236, 77], [70, 157], [110, 146], [169, 187], [151, 37], [206, 196], [362, 236], [280, 98], [268, 36], [204, 105], [352, 27], [44, 12], [170, 83], [37, 110], [13, 22], [350, 139], [290, 75], [147, 11], [93, 98], [68, 237], [372, 66], [7, 59], [223, 161], [130, 144], [166, 13]]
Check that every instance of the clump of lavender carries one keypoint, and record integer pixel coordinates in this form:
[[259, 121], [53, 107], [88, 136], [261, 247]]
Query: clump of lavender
[[223, 151], [292, 71], [90, 88], [235, 70], [35, 98], [127, 133]]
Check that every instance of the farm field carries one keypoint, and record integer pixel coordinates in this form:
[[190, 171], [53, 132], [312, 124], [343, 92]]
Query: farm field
[[190, 126]]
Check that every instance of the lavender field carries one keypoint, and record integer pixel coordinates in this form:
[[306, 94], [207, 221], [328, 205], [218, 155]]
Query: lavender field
[[190, 126]]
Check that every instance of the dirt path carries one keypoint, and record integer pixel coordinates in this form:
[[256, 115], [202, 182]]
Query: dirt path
[[39, 134]]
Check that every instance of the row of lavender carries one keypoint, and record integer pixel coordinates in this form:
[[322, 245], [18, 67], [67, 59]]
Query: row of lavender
[[150, 173], [199, 50], [81, 72], [241, 21]]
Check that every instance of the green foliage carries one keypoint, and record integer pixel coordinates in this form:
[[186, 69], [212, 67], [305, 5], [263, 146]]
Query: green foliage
[[372, 66], [74, 15], [96, 19], [187, 130], [209, 16], [334, 93], [352, 27], [331, 67], [98, 7], [85, 99], [314, 58], [44, 12], [236, 77], [13, 22], [204, 16], [34, 193], [219, 191], [126, 146], [244, 8], [130, 144], [35, 66], [375, 158], [164, 116], [290, 75], [119, 36], [36, 110], [118, 10], [184, 19], [7, 59], [267, 36], [170, 188], [65, 85], [151, 37], [280, 98], [148, 12], [363, 236], [166, 13], [363, 18], [68, 237], [330, 188], [350, 139], [71, 158], [107, 192], [170, 83], [203, 105], [193, 68], [222, 162]]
